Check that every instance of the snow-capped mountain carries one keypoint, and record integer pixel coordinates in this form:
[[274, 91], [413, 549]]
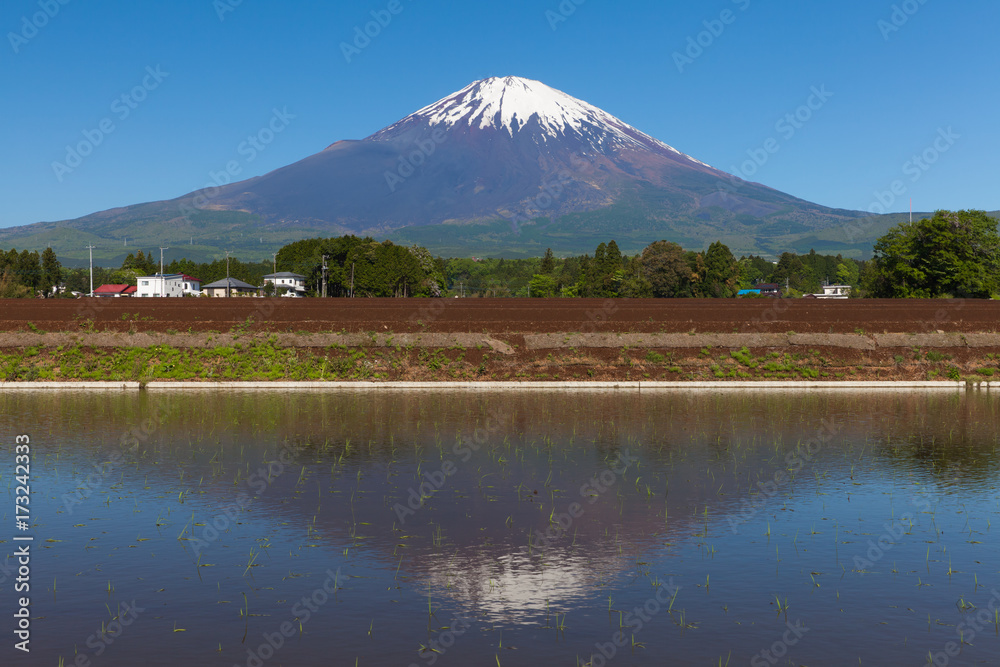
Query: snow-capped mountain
[[499, 149], [514, 105], [504, 161]]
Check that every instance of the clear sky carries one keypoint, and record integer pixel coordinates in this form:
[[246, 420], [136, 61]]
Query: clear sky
[[898, 79]]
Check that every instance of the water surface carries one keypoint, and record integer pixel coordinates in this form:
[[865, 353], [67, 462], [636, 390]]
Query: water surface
[[513, 528]]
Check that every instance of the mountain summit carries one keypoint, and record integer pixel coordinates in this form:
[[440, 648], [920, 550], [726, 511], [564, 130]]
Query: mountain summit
[[504, 165], [514, 105], [506, 148]]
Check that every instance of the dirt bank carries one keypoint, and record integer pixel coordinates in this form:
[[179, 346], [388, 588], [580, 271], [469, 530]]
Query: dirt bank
[[502, 316]]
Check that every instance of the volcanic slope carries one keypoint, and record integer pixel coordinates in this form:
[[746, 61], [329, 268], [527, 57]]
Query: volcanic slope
[[504, 165], [511, 149]]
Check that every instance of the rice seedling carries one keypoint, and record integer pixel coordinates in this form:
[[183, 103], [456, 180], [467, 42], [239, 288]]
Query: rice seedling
[[782, 607]]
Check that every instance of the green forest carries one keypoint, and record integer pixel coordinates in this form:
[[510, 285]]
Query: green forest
[[951, 254]]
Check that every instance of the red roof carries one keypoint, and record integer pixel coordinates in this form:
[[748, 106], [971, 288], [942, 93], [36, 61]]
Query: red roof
[[190, 279], [112, 289], [131, 289]]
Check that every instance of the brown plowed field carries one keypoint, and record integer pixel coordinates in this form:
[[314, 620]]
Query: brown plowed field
[[497, 316]]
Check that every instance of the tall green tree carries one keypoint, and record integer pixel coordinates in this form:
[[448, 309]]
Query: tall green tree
[[722, 272], [666, 269], [543, 286], [10, 286], [548, 265], [51, 270], [847, 272], [29, 269], [602, 275], [952, 253]]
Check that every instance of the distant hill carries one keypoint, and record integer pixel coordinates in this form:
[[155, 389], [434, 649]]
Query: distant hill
[[505, 166]]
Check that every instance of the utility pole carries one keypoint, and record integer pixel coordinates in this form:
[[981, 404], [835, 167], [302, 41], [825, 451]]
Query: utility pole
[[323, 287], [352, 280], [163, 281], [275, 256], [228, 286], [91, 249]]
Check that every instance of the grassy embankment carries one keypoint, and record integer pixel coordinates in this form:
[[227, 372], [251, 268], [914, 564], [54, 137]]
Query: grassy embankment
[[263, 359]]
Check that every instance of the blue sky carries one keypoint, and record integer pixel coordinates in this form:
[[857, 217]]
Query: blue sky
[[923, 82]]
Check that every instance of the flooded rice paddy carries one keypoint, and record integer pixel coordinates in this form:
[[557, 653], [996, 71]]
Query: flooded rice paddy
[[515, 528]]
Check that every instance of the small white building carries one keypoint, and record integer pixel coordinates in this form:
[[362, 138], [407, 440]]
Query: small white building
[[286, 281], [835, 292], [169, 285], [190, 286]]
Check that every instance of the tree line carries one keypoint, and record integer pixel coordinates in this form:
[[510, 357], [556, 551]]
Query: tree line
[[25, 273], [954, 254], [662, 269], [364, 267]]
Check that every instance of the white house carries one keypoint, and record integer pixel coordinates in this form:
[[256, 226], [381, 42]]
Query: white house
[[190, 286], [169, 285], [835, 292], [286, 281]]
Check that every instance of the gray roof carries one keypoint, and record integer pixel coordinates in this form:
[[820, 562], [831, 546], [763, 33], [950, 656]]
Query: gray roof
[[233, 284]]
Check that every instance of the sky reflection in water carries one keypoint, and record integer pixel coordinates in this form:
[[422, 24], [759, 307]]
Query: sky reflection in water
[[552, 521]]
